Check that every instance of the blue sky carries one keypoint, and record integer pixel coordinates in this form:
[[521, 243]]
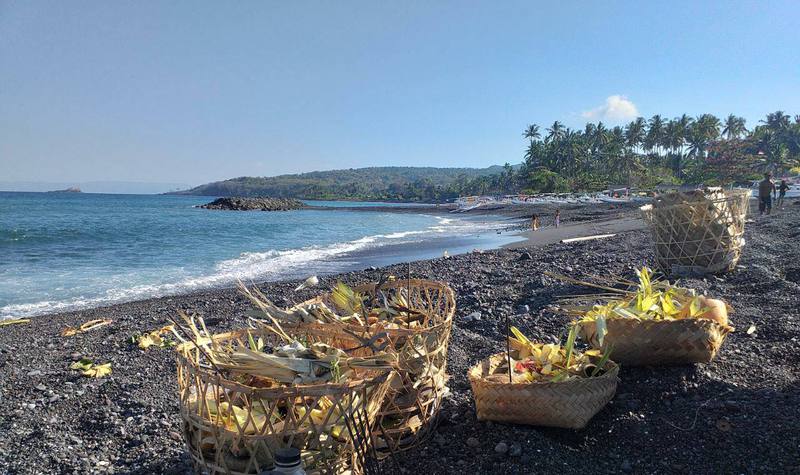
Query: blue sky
[[191, 92]]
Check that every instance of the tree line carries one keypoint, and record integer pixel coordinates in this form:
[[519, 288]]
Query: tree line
[[644, 153]]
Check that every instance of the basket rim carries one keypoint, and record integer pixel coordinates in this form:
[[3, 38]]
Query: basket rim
[[475, 377], [447, 320], [210, 375], [729, 195], [695, 321]]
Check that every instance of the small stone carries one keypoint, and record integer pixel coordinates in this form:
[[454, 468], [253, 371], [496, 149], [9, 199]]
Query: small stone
[[626, 466], [515, 450], [41, 387], [524, 309], [175, 436], [501, 448], [35, 372], [440, 440], [474, 316], [732, 406], [75, 356], [473, 442]]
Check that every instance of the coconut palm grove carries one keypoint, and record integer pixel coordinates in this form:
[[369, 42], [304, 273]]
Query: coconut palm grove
[[648, 152]]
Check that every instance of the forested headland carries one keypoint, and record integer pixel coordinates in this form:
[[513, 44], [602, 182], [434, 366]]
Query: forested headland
[[641, 154]]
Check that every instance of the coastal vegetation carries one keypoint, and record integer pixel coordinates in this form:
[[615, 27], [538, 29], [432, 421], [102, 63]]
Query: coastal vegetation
[[643, 153], [365, 184]]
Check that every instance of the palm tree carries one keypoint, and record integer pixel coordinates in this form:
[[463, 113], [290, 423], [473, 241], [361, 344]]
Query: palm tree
[[533, 155], [683, 123], [556, 131], [532, 132], [655, 134], [697, 140], [734, 127], [777, 121], [635, 133], [709, 125], [674, 140]]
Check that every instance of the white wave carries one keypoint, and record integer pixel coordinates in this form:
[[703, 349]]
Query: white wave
[[266, 265]]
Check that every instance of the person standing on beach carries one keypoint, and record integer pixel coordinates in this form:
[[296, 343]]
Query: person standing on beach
[[535, 222], [782, 189], [765, 187], [558, 217]]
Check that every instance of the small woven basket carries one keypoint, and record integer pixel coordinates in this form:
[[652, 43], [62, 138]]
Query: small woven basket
[[698, 232], [409, 410], [658, 342], [568, 404], [232, 428]]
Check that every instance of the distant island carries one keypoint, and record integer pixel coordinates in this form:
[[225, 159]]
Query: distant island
[[71, 189]]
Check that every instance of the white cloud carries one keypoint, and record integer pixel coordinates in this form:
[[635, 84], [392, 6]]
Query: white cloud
[[616, 109]]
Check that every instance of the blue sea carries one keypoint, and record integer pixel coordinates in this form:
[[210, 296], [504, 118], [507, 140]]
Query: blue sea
[[63, 251]]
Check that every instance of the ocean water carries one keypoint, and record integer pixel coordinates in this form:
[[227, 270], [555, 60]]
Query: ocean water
[[70, 251]]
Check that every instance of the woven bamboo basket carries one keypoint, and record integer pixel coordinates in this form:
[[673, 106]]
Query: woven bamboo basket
[[658, 342], [698, 232], [241, 440], [409, 410], [568, 404]]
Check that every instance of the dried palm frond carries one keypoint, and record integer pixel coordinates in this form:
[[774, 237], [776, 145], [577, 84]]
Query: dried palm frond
[[292, 363], [90, 325], [349, 306], [16, 321]]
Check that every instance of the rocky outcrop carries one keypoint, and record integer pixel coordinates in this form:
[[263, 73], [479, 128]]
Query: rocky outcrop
[[255, 204]]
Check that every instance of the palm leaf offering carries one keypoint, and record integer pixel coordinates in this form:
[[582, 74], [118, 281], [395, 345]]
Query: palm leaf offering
[[649, 321], [543, 384], [646, 299], [293, 363], [259, 389], [538, 362], [388, 311]]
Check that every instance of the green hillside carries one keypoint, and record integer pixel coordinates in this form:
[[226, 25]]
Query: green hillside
[[374, 183]]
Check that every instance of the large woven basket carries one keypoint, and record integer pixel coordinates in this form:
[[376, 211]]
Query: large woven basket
[[409, 410], [278, 417], [698, 232], [568, 404], [658, 342]]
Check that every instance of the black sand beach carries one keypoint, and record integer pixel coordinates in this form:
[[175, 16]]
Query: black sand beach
[[735, 415]]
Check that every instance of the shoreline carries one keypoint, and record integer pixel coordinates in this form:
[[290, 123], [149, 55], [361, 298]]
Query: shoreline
[[54, 420], [504, 227]]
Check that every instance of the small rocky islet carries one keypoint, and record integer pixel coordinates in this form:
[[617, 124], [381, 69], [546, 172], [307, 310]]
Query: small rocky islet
[[236, 203]]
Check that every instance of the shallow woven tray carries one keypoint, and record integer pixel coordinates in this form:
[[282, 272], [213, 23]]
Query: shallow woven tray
[[409, 410], [659, 342], [212, 445], [698, 232], [568, 404]]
